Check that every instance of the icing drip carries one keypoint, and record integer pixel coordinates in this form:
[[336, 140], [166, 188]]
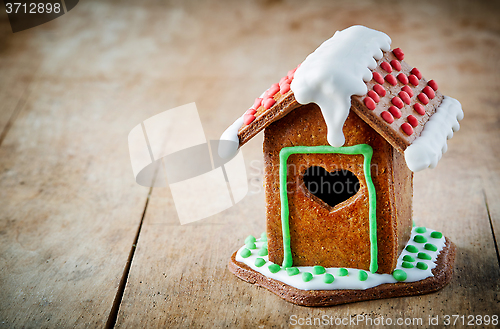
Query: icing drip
[[227, 150], [428, 149], [416, 261], [337, 70]]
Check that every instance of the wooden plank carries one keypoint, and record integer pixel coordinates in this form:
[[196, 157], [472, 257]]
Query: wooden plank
[[70, 207], [179, 274]]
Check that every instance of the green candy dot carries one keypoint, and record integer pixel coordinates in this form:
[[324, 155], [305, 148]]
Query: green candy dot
[[430, 247], [420, 239], [245, 253], [251, 245], [436, 235], [259, 262], [420, 230], [422, 266], [362, 276], [262, 252], [423, 255], [411, 248], [343, 271], [250, 238], [263, 236], [306, 276], [407, 265], [328, 278], [408, 258], [274, 268], [399, 275], [291, 271], [318, 270]]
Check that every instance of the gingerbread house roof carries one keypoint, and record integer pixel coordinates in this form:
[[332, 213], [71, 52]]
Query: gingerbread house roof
[[356, 70]]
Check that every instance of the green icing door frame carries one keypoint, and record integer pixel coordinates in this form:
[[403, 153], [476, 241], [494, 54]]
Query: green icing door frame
[[363, 149]]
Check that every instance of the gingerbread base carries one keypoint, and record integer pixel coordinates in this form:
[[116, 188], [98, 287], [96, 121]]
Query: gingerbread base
[[442, 276]]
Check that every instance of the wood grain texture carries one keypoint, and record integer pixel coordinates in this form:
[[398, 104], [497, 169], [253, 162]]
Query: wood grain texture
[[69, 207]]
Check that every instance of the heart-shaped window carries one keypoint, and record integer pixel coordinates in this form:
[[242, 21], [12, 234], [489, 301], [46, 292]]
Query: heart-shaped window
[[331, 187]]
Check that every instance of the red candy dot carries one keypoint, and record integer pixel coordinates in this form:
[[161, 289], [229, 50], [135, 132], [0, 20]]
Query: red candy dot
[[407, 90], [395, 112], [268, 102], [386, 66], [413, 79], [398, 102], [412, 120], [272, 90], [379, 90], [248, 118], [403, 78], [419, 108], [423, 98], [378, 77], [429, 92], [405, 97], [396, 65], [387, 117], [407, 128], [433, 85], [416, 72], [391, 79], [398, 53], [283, 80], [250, 111], [291, 73], [284, 88], [369, 103], [374, 96], [257, 103]]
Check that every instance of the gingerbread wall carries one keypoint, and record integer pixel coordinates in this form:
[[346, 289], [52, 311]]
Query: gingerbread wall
[[336, 236]]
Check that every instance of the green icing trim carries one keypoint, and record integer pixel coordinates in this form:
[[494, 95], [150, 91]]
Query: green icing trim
[[245, 253], [262, 252], [363, 149], [408, 258], [407, 265], [306, 276], [328, 278], [422, 266], [430, 247], [423, 255], [318, 270], [399, 275], [263, 237], [251, 245], [362, 276], [411, 248], [420, 239], [250, 238], [291, 271], [259, 262], [274, 268], [343, 271], [436, 235], [421, 229]]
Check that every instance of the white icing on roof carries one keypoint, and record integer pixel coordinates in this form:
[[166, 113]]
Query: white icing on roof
[[337, 70], [227, 150], [429, 147]]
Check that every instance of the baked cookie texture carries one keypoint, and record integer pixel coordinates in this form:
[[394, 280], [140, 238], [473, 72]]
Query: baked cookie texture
[[353, 93]]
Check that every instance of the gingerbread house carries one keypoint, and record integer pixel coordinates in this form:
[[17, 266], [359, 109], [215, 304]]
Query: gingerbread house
[[343, 134]]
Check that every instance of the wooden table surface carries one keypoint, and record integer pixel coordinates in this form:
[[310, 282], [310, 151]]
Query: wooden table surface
[[82, 245]]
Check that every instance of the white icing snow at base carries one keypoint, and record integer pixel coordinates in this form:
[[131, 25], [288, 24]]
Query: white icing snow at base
[[350, 281]]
